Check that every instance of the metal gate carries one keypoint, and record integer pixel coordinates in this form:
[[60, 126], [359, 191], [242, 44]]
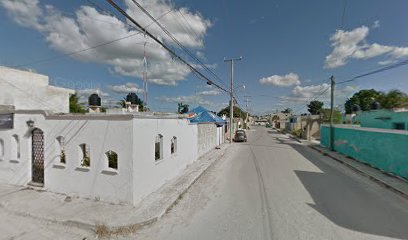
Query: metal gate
[[38, 156]]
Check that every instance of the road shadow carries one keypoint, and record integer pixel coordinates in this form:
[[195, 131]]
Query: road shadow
[[349, 203]]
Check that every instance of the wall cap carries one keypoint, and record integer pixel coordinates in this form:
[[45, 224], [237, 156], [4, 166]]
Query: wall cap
[[358, 128]]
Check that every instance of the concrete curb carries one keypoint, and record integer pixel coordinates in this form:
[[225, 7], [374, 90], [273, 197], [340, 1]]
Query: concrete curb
[[378, 180], [174, 199]]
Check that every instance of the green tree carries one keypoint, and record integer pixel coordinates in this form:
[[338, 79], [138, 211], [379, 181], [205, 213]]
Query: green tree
[[337, 116], [314, 107], [238, 113], [182, 108], [75, 106], [287, 110], [394, 99], [364, 99]]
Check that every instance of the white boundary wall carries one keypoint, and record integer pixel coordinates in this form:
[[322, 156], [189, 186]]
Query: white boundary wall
[[131, 137]]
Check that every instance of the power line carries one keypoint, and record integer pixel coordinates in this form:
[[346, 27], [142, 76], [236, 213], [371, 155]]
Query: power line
[[185, 28], [343, 16], [89, 48], [177, 42], [188, 24], [315, 98], [120, 10], [77, 52], [389, 67]]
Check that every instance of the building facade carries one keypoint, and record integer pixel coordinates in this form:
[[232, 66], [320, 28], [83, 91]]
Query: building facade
[[119, 157]]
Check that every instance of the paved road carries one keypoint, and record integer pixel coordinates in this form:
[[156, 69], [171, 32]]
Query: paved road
[[275, 188]]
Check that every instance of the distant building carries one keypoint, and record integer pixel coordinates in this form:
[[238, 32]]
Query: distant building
[[279, 120]]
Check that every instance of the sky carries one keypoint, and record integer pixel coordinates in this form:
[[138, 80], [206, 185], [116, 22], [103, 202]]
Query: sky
[[289, 49]]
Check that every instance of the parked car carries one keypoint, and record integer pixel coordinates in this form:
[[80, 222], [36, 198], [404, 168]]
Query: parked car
[[240, 136]]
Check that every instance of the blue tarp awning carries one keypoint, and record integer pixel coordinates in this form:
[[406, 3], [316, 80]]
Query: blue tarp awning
[[202, 115]]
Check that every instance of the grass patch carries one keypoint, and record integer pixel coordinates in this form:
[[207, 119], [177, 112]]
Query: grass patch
[[104, 232]]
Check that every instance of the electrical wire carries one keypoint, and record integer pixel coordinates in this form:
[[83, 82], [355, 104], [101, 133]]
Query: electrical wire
[[120, 10], [89, 48], [178, 42], [77, 52], [188, 24], [314, 99], [389, 67]]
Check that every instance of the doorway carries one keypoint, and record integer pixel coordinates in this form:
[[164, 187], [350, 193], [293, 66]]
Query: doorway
[[37, 156]]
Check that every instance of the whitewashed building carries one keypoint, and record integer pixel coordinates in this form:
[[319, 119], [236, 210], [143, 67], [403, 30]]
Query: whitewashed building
[[27, 90], [118, 158]]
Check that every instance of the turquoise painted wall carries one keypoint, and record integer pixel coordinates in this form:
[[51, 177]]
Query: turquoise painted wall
[[386, 151], [382, 119]]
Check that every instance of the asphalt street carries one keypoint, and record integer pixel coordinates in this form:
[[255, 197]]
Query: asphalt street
[[273, 187]]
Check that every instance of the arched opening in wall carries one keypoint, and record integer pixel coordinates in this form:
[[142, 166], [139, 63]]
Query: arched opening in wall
[[37, 151], [112, 159], [61, 149], [85, 155], [15, 151], [1, 149], [173, 147], [158, 147]]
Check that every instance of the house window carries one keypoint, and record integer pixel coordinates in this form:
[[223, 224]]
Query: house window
[[85, 155], [61, 149], [399, 126], [173, 147], [16, 147], [112, 159], [158, 147], [1, 149]]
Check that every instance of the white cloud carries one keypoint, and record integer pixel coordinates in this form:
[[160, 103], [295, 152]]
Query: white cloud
[[174, 22], [213, 92], [352, 45], [371, 51], [306, 92], [84, 93], [126, 88], [376, 24], [27, 13], [201, 55], [281, 81], [89, 28], [344, 45], [399, 52], [301, 94], [192, 100]]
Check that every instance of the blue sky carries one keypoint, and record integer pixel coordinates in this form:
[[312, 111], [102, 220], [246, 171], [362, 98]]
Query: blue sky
[[289, 48]]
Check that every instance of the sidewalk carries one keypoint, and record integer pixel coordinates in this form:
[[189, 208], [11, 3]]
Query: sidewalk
[[100, 217], [393, 183]]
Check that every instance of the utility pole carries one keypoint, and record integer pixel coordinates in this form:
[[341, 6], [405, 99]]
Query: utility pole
[[246, 109], [232, 60], [333, 83]]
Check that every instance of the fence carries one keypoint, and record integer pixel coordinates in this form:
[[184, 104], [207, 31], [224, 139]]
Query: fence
[[384, 149]]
